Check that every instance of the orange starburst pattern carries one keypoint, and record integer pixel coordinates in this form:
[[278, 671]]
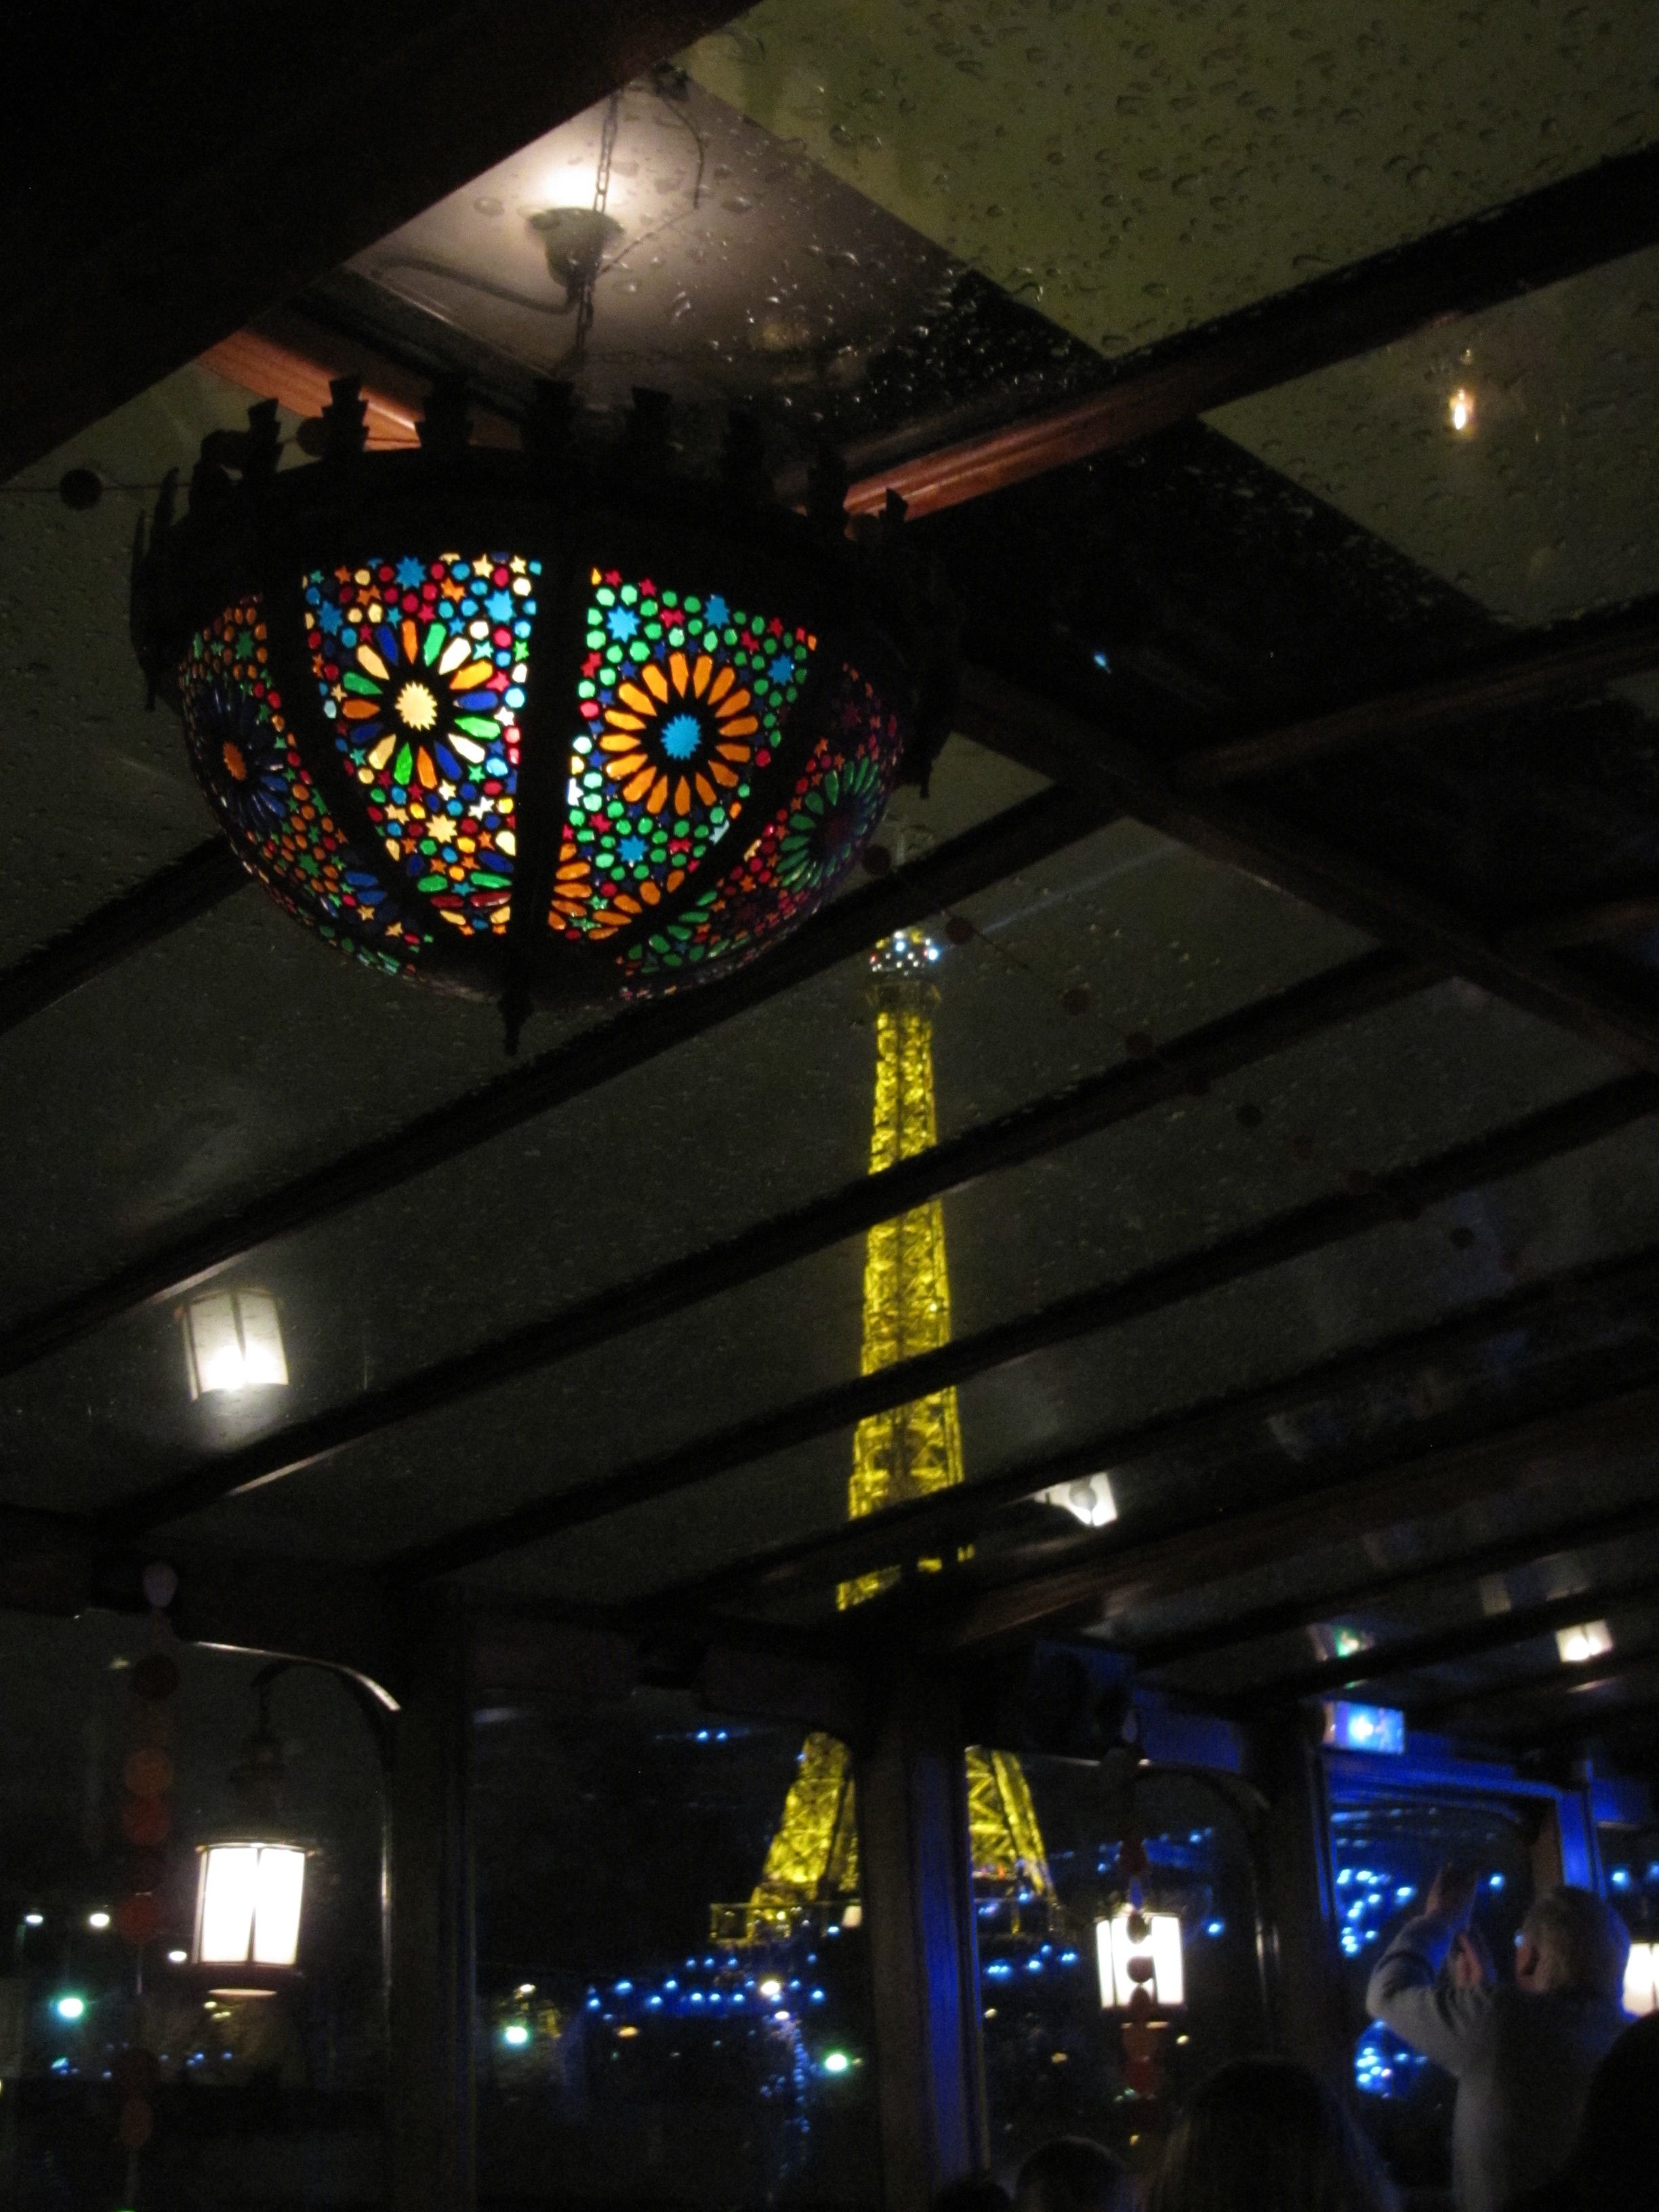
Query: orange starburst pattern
[[679, 732]]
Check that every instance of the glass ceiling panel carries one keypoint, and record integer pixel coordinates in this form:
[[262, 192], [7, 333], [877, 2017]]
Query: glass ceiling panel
[[1514, 454], [1591, 1483], [661, 239], [99, 792], [756, 1349], [1449, 1607], [760, 1114], [1134, 168]]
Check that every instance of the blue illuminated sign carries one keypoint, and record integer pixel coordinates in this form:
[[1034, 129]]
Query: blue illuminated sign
[[1364, 1728]]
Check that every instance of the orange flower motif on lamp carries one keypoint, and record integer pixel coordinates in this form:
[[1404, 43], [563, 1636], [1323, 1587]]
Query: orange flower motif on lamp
[[679, 733]]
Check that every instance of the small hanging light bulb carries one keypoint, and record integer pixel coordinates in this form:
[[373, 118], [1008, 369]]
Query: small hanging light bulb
[[1459, 411]]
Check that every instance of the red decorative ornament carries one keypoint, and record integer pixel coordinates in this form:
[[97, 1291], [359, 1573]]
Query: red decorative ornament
[[148, 1772], [138, 1918], [145, 1820], [155, 1677]]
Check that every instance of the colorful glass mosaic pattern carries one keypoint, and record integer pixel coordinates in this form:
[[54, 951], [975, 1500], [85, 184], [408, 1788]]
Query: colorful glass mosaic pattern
[[803, 851], [251, 769], [423, 665], [684, 701]]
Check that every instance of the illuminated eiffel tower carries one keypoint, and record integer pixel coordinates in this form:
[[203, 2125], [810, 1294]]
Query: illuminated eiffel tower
[[812, 1868]]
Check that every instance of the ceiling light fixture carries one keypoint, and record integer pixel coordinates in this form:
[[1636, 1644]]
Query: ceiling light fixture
[[233, 1341], [1590, 1639], [1090, 1500], [540, 726]]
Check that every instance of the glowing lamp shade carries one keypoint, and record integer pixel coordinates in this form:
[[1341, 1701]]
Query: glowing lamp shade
[[1590, 1639], [248, 1907], [233, 1341], [1089, 1500], [542, 726], [1642, 1978], [1120, 1952]]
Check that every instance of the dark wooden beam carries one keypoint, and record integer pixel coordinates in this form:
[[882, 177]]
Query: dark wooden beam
[[190, 172], [1410, 1654], [1591, 925], [1636, 1714], [1556, 1681], [1029, 1133], [181, 892], [1534, 240], [929, 1528], [1234, 1633], [431, 1966], [1535, 670], [1194, 1547], [1285, 1236], [1018, 838], [1042, 731]]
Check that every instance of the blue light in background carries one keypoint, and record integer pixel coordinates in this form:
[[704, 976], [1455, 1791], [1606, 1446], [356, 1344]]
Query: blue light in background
[[1351, 1726]]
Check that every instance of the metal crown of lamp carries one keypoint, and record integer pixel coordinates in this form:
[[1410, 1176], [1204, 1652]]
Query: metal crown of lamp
[[545, 725]]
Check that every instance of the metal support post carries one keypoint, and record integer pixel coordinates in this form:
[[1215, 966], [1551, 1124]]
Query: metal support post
[[430, 1954], [1309, 2022], [918, 1903]]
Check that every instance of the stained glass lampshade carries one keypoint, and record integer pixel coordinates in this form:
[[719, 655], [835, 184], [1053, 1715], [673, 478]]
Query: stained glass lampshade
[[538, 725]]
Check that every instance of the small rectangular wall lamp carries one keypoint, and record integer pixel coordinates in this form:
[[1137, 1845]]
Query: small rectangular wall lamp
[[247, 1910], [1120, 1948]]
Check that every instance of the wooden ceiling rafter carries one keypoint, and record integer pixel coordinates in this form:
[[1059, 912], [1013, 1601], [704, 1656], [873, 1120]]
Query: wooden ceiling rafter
[[1393, 1658], [1020, 836], [928, 1528], [1335, 1505], [1128, 1088], [1291, 1235], [1453, 1573], [1537, 668], [1045, 733], [176, 895], [1472, 1708]]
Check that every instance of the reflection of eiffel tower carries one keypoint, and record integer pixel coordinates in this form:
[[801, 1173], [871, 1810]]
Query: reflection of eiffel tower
[[812, 1869]]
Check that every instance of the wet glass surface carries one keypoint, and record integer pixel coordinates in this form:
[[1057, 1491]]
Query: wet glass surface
[[1064, 2052], [634, 2039], [287, 2078]]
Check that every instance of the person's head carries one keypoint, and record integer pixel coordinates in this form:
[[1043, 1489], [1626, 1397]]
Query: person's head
[[1571, 1945], [1616, 2156], [1071, 2174], [1265, 2135]]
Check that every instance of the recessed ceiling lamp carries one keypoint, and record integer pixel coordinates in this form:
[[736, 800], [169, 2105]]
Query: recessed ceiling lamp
[[233, 1341], [538, 725], [1590, 1639], [1089, 1500]]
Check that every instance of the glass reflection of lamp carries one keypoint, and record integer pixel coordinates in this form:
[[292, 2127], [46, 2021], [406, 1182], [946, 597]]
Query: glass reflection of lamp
[[248, 1904], [233, 1341], [1090, 1500], [1590, 1639], [1642, 1978], [1141, 1950], [252, 1886]]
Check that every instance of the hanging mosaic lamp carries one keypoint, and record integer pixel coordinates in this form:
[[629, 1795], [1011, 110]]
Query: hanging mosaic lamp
[[540, 725]]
